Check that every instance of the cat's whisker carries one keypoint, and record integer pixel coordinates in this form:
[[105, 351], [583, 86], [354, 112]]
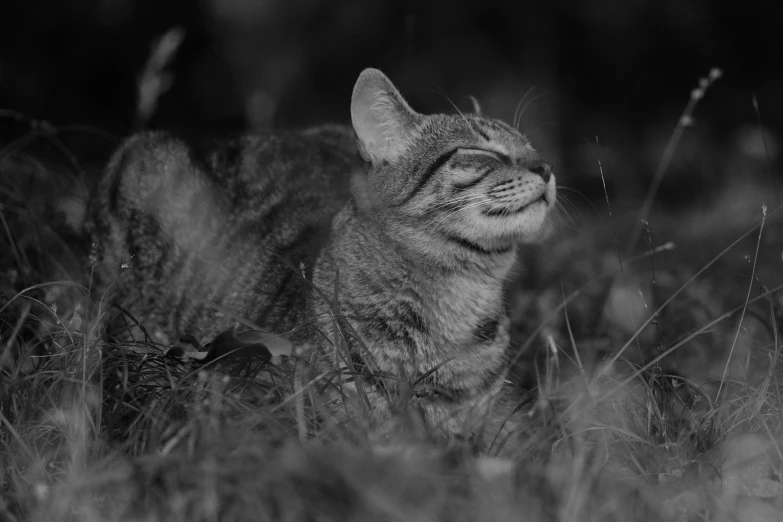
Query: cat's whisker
[[442, 219], [449, 204], [441, 222], [561, 210], [566, 208], [462, 115], [534, 98], [484, 201], [515, 124], [457, 199], [587, 200], [565, 202], [564, 198], [453, 207]]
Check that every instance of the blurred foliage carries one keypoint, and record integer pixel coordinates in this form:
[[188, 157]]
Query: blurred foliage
[[616, 71]]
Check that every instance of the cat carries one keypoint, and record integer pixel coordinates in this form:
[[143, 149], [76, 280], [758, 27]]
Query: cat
[[384, 247]]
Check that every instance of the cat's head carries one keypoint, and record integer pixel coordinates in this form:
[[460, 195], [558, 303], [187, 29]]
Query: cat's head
[[470, 180]]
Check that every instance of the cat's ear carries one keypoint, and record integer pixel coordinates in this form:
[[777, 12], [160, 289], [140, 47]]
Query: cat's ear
[[381, 118]]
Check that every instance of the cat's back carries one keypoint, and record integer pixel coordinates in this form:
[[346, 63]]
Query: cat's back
[[241, 173], [307, 166], [182, 231]]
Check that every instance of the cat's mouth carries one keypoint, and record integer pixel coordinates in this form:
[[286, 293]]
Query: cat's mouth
[[507, 211]]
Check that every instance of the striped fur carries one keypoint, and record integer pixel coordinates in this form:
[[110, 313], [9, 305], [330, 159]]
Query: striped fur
[[417, 222]]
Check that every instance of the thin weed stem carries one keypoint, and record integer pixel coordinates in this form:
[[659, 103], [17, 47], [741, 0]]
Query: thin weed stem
[[747, 296], [608, 204], [671, 298], [573, 295], [686, 120], [686, 340], [766, 148]]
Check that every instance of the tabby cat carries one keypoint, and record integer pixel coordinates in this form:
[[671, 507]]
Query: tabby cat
[[391, 241]]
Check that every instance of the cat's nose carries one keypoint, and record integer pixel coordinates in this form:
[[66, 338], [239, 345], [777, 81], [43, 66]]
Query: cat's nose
[[543, 169]]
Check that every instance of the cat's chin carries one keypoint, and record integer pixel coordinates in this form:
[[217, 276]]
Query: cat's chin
[[523, 224], [531, 220], [527, 222]]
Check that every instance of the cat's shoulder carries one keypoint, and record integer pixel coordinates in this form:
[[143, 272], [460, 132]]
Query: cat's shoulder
[[338, 138], [331, 142]]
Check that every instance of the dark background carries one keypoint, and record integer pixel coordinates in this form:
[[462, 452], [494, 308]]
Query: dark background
[[621, 71]]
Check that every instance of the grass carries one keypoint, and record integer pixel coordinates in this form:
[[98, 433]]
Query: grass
[[646, 369]]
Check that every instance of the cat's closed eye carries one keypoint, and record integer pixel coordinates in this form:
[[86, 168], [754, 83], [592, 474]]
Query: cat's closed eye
[[498, 156]]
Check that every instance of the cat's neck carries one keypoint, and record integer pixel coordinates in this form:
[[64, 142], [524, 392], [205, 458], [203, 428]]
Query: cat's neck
[[400, 257], [454, 306], [418, 247]]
